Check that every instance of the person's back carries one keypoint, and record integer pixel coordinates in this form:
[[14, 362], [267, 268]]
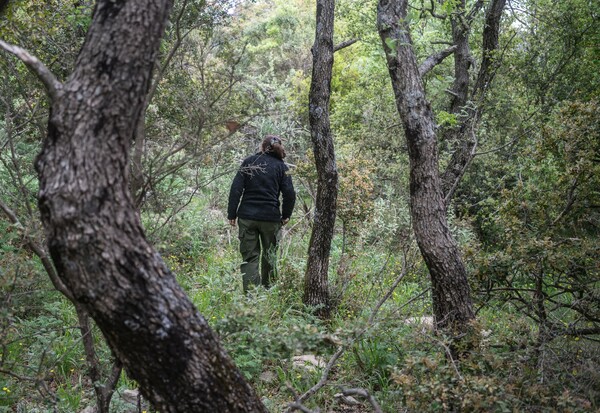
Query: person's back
[[261, 179], [254, 203]]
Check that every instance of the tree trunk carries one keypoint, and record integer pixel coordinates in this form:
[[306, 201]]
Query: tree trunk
[[469, 106], [95, 236], [452, 304], [316, 288]]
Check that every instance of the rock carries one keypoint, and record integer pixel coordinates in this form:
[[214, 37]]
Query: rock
[[130, 396], [426, 323], [89, 409], [267, 376], [308, 362]]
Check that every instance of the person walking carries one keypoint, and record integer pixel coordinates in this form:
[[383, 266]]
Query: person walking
[[254, 202]]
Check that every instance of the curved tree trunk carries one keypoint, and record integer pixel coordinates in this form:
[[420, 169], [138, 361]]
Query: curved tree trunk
[[452, 303], [95, 236], [316, 288]]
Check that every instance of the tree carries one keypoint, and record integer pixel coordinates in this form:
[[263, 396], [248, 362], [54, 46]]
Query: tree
[[429, 195], [316, 291], [93, 232]]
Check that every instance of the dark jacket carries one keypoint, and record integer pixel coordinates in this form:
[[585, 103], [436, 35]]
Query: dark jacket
[[259, 181]]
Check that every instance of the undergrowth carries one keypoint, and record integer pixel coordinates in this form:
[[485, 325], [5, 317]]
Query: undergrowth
[[397, 359]]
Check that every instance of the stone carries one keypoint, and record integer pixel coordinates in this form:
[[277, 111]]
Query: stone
[[130, 396], [308, 362]]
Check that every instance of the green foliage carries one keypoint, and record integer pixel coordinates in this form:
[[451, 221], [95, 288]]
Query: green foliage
[[526, 214], [545, 227]]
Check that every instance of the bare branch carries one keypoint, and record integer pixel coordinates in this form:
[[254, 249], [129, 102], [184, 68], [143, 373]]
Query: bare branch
[[37, 250], [434, 14], [344, 44], [365, 394], [474, 10], [435, 59], [450, 357], [301, 407], [50, 81]]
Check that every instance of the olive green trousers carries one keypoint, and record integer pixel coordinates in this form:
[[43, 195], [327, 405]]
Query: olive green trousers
[[258, 243]]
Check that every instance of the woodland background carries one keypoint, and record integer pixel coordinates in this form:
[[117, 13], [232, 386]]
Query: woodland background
[[526, 213]]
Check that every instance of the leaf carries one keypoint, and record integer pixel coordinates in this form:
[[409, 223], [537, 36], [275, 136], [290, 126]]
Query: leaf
[[391, 43]]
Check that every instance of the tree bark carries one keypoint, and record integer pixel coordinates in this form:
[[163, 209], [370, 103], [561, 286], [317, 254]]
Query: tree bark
[[316, 288], [469, 106], [94, 233], [452, 303]]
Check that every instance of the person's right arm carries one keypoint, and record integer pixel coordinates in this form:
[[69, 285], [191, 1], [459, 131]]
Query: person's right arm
[[288, 195]]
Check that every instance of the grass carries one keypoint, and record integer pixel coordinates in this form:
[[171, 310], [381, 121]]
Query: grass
[[403, 366]]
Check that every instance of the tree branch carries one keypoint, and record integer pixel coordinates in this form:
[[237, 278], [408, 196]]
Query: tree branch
[[52, 84], [344, 44], [570, 200], [365, 394], [435, 59], [434, 14], [37, 250]]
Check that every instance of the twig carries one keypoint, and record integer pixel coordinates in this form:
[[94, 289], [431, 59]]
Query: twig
[[301, 407], [37, 67], [365, 394], [452, 361], [39, 251]]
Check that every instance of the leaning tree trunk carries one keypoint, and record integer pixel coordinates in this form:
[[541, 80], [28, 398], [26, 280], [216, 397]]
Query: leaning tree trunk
[[316, 288], [452, 303], [94, 233]]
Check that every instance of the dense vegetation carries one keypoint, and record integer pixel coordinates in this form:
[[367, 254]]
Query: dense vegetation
[[526, 213]]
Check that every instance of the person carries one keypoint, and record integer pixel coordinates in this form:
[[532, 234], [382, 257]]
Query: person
[[254, 203]]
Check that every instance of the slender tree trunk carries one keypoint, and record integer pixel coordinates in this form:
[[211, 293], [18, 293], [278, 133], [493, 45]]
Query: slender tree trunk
[[469, 105], [316, 288], [94, 234], [452, 303], [462, 56]]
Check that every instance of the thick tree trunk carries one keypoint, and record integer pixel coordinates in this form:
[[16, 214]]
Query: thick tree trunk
[[95, 236], [450, 290], [316, 288]]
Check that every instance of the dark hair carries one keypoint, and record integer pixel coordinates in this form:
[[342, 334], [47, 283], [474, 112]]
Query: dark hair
[[273, 144]]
